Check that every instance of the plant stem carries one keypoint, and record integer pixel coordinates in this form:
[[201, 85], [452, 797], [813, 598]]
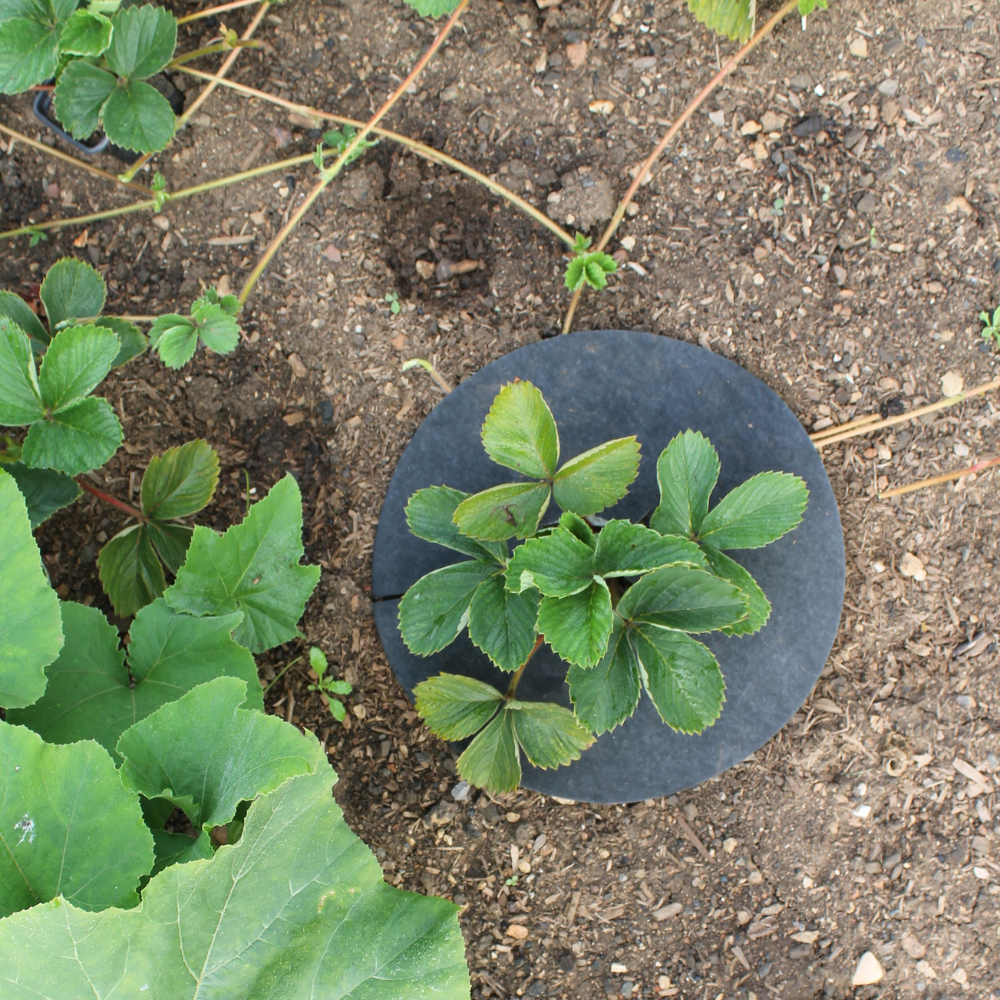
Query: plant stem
[[986, 463], [107, 498], [210, 50], [864, 426], [278, 676], [330, 173], [428, 152], [58, 154], [212, 11], [516, 679], [699, 99]]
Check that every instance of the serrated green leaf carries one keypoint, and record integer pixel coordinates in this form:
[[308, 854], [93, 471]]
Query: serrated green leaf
[[130, 571], [490, 761], [21, 314], [85, 33], [758, 606], [19, 396], [577, 628], [690, 600], [520, 433], [687, 471], [579, 527], [501, 512], [429, 516], [76, 362], [218, 330], [67, 826], [550, 735], [604, 696], [79, 438], [31, 632], [756, 513], [433, 8], [596, 268], [179, 848], [171, 542], [138, 117], [574, 274], [71, 290], [29, 52], [180, 482], [455, 707], [626, 549], [206, 755], [81, 91], [174, 338], [44, 490], [143, 42], [502, 624], [92, 695], [597, 478], [556, 564], [254, 568], [298, 907], [436, 608], [131, 340], [732, 18], [681, 677]]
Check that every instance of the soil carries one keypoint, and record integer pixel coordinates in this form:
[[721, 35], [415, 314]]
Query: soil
[[829, 221]]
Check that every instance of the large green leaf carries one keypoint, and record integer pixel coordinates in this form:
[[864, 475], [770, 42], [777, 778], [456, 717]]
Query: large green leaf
[[180, 481], [557, 564], [690, 600], [429, 515], [501, 512], [31, 632], [130, 572], [139, 117], [20, 314], [19, 396], [81, 91], [687, 471], [44, 490], [758, 606], [732, 18], [67, 827], [577, 628], [143, 42], [606, 695], [756, 513], [436, 608], [76, 362], [71, 290], [549, 735], [206, 755], [29, 51], [520, 433], [80, 437], [85, 33], [626, 549], [502, 624], [455, 707], [179, 848], [597, 478], [92, 695], [681, 676], [491, 761], [297, 908], [254, 568]]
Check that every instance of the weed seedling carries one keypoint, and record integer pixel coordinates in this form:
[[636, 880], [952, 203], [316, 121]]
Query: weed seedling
[[393, 299], [327, 685], [990, 332]]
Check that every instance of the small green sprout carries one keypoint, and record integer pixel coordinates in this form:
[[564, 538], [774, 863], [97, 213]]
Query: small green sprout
[[592, 268], [338, 140], [393, 299], [827, 193], [778, 208], [327, 685], [511, 881], [159, 189], [873, 241], [991, 327], [36, 236]]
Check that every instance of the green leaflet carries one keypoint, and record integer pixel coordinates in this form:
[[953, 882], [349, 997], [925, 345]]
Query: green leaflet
[[130, 570], [85, 33], [29, 41], [687, 471], [205, 754], [590, 268], [732, 18], [689, 600], [44, 490], [549, 735], [758, 606], [67, 826], [31, 632], [520, 433], [756, 513], [577, 627], [604, 696], [598, 478], [429, 515], [501, 512], [20, 401], [297, 907], [180, 482], [91, 694], [491, 759], [502, 624], [143, 42], [557, 564], [626, 549], [14, 308], [81, 436], [81, 92], [71, 290], [212, 321], [455, 707], [254, 568], [138, 117]]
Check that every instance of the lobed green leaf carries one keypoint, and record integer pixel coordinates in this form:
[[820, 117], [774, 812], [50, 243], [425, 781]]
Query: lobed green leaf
[[687, 471], [732, 18], [520, 433], [433, 8], [454, 707], [180, 482], [174, 338], [577, 627], [549, 735], [82, 436], [19, 394], [502, 624], [81, 92], [138, 116], [76, 362], [217, 328], [605, 695], [143, 41], [85, 33]]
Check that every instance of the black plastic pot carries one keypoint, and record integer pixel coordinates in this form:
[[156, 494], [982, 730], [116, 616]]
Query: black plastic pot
[[610, 384]]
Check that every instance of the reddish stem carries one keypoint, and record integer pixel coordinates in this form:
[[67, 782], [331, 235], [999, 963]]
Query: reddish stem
[[120, 504]]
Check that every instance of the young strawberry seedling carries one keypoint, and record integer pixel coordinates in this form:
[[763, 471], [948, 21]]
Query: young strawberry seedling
[[618, 602], [328, 686]]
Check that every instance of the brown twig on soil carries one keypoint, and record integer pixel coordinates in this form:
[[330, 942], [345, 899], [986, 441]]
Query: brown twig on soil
[[898, 491], [696, 103], [833, 435], [330, 173]]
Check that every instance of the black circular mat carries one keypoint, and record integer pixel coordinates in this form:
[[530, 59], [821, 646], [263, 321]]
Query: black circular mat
[[611, 384]]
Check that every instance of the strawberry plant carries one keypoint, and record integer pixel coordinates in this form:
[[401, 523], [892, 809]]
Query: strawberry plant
[[212, 322], [120, 774], [617, 601], [328, 687]]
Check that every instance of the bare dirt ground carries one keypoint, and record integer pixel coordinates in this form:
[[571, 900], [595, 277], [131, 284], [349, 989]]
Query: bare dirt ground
[[829, 222]]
